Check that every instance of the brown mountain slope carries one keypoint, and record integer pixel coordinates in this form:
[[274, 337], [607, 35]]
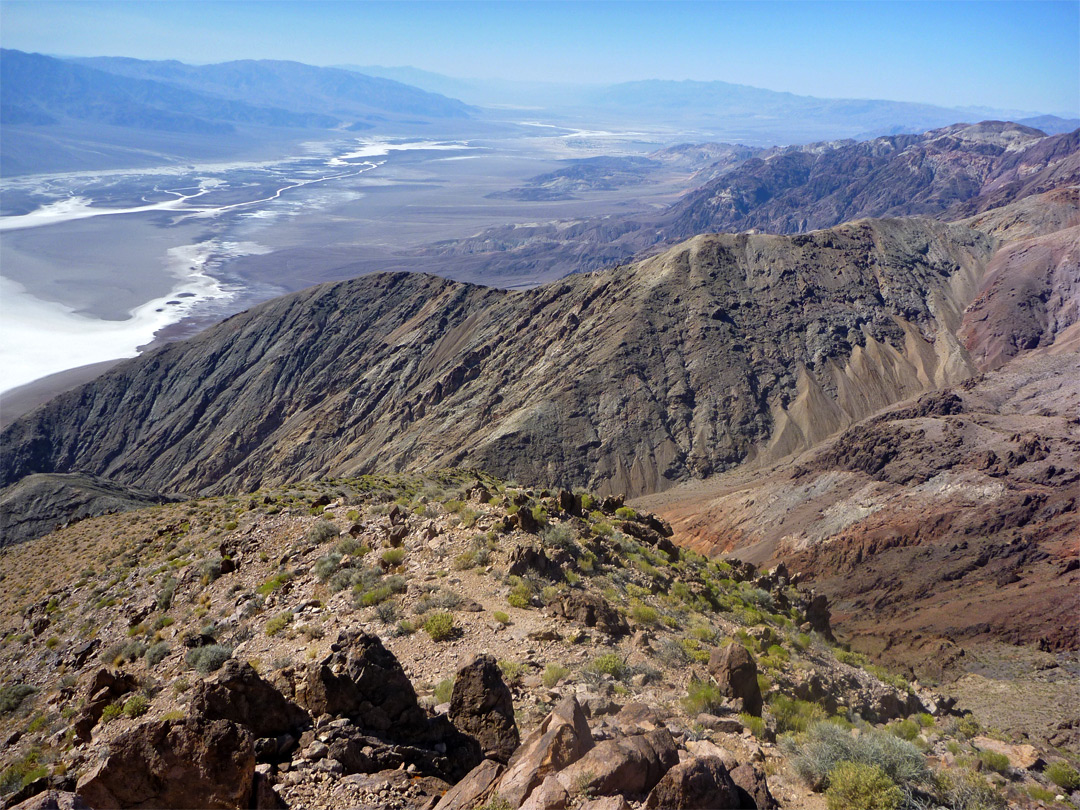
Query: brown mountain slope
[[949, 521], [627, 380]]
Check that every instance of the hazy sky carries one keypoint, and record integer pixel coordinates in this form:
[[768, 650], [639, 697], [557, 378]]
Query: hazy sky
[[1013, 55]]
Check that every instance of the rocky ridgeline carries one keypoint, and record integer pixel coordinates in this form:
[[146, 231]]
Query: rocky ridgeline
[[448, 641]]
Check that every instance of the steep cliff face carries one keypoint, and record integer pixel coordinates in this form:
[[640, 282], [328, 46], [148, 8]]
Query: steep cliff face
[[628, 380]]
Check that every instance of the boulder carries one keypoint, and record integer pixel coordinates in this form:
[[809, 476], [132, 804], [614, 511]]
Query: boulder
[[700, 783], [628, 766], [362, 680], [190, 763], [53, 800], [592, 611], [104, 688], [551, 795], [237, 692], [1025, 757], [562, 738], [474, 789], [529, 560], [481, 705], [818, 615], [736, 675], [606, 803], [752, 787]]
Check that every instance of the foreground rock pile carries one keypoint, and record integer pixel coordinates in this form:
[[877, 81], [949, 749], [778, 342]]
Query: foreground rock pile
[[448, 641]]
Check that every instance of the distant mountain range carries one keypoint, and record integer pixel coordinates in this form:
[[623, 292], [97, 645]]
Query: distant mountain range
[[58, 114], [720, 109]]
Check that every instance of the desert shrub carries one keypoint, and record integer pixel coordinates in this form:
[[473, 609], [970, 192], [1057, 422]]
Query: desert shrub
[[111, 712], [907, 729], [963, 790], [136, 706], [156, 654], [857, 786], [643, 614], [392, 557], [994, 761], [323, 531], [465, 560], [12, 696], [440, 626], [278, 623], [608, 664], [554, 673], [387, 612], [925, 720], [513, 671], [824, 745], [521, 593], [793, 714], [326, 567], [625, 513], [205, 660], [557, 536], [694, 651], [755, 724], [444, 690], [1063, 775], [165, 593], [351, 547], [702, 696], [274, 583], [501, 617]]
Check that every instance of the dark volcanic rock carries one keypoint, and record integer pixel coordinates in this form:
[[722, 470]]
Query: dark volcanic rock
[[752, 787], [481, 706], [701, 783], [736, 675], [188, 763], [625, 766], [362, 680], [237, 692], [591, 610]]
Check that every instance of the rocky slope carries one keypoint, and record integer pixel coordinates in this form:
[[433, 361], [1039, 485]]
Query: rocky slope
[[316, 646], [947, 173], [627, 380], [951, 171]]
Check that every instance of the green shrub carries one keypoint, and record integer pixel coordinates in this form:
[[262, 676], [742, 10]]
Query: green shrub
[[274, 583], [702, 696], [994, 761], [608, 664], [12, 696], [755, 724], [156, 654], [393, 557], [925, 720], [512, 671], [963, 790], [554, 673], [323, 531], [643, 614], [205, 660], [824, 745], [793, 714], [279, 623], [440, 626], [444, 690], [907, 729], [501, 617], [625, 513], [111, 712], [1063, 775], [136, 706], [856, 786]]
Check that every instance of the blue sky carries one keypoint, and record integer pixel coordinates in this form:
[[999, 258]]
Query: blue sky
[[1011, 55]]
